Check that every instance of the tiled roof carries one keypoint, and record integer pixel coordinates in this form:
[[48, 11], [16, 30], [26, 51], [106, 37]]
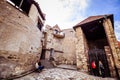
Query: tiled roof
[[92, 18]]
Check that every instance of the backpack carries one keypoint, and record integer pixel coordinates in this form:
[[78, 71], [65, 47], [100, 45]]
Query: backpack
[[93, 65]]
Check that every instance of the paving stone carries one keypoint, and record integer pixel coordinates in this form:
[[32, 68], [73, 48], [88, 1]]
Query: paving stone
[[61, 74]]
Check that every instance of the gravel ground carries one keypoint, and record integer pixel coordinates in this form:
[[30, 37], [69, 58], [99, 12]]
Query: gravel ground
[[60, 74]]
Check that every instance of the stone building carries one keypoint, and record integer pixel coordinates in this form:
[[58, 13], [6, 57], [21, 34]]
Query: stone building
[[69, 46], [97, 41], [57, 44], [91, 39], [21, 23], [23, 41]]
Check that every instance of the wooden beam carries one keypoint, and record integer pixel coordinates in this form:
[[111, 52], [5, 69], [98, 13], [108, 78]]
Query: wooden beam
[[54, 50]]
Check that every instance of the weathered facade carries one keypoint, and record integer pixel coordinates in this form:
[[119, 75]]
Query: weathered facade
[[69, 46], [58, 45], [97, 41], [23, 42], [20, 36], [93, 39]]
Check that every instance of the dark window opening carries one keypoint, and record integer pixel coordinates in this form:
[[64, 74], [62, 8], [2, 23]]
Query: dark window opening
[[56, 31], [51, 52], [24, 5], [39, 24], [16, 2]]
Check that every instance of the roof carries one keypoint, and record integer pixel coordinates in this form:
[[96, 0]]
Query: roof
[[56, 27], [39, 10], [93, 26], [92, 18]]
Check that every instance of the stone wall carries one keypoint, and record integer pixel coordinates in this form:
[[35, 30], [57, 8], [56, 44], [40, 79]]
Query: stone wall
[[64, 47], [113, 43], [52, 42], [110, 61], [14, 63], [69, 46], [85, 58], [81, 45], [34, 14], [20, 41]]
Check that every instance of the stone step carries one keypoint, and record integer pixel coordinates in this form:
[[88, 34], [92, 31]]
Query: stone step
[[64, 66], [46, 63]]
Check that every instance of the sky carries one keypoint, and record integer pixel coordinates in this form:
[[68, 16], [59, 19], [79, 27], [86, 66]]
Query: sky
[[67, 13]]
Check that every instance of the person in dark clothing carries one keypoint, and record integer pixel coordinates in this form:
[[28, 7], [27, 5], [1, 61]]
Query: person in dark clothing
[[38, 66], [101, 69]]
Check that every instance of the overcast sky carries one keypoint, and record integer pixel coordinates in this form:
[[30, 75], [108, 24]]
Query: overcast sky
[[67, 13]]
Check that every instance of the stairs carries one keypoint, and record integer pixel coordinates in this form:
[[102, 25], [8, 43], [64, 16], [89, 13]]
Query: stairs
[[46, 63]]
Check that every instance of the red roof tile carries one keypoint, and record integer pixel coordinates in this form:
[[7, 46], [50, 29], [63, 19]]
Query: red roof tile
[[91, 18]]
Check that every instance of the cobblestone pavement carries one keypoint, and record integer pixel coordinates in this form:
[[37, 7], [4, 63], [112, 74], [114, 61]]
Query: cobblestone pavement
[[60, 74]]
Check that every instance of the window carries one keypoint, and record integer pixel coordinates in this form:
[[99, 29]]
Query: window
[[24, 5], [55, 31], [39, 24]]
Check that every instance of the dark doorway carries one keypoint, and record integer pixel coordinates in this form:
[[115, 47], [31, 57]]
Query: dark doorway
[[43, 54], [98, 55], [51, 52], [96, 39]]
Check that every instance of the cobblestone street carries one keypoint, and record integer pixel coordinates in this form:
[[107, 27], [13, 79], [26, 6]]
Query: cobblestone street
[[61, 74]]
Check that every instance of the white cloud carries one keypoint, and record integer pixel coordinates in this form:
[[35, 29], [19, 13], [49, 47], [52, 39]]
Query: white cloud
[[117, 29], [65, 13]]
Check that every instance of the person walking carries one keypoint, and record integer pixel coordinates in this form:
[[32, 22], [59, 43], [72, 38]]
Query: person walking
[[101, 69], [93, 66]]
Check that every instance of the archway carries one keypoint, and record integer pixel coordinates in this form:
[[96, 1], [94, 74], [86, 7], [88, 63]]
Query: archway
[[96, 38]]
